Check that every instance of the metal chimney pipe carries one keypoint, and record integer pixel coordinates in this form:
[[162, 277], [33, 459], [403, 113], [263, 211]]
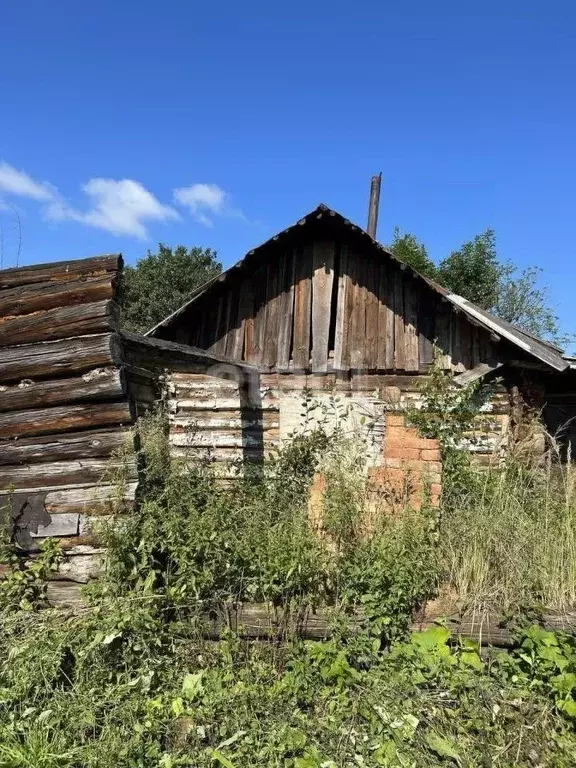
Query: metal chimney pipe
[[374, 205]]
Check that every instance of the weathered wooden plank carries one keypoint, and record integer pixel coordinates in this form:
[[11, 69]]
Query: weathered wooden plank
[[54, 358], [218, 340], [42, 296], [480, 370], [390, 318], [372, 277], [341, 329], [302, 309], [60, 271], [444, 335], [64, 418], [457, 364], [247, 305], [385, 316], [233, 327], [97, 385], [235, 344], [65, 524], [61, 473], [80, 568], [98, 317], [357, 331], [286, 310], [88, 499], [322, 282], [65, 594], [259, 284], [411, 296], [272, 323], [399, 321], [91, 444], [426, 328], [466, 342]]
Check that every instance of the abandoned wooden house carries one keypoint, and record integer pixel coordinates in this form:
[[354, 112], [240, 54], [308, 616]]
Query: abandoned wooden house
[[323, 307], [320, 310]]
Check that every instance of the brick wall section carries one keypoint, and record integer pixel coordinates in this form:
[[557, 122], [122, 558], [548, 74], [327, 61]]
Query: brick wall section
[[411, 467]]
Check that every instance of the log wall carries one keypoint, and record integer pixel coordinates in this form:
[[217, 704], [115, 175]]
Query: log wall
[[67, 400]]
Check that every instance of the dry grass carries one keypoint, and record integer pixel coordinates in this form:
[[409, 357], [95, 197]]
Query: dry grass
[[511, 540]]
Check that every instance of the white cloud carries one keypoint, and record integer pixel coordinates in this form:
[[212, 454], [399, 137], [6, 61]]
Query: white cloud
[[20, 184], [204, 199], [121, 207]]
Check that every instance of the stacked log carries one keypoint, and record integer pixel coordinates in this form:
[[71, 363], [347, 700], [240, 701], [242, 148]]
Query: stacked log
[[66, 403]]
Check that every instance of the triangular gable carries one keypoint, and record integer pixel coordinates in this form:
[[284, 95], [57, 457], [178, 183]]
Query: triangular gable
[[539, 349]]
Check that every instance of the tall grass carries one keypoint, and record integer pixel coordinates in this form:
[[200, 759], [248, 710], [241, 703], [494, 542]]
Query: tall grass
[[510, 540]]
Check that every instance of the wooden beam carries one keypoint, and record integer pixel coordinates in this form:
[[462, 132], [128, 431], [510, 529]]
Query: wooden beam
[[302, 309], [286, 311], [64, 418], [411, 296], [60, 271], [61, 473], [53, 358], [399, 321], [41, 296], [342, 319], [322, 282], [60, 323], [99, 384], [90, 444], [480, 370]]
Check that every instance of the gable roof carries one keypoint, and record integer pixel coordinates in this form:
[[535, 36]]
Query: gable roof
[[543, 351]]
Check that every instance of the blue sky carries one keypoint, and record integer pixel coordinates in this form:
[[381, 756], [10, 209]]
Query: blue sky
[[124, 124]]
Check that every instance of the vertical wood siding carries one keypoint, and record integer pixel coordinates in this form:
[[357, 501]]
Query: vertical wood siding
[[325, 305]]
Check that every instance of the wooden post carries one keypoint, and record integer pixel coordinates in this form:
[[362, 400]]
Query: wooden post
[[374, 205]]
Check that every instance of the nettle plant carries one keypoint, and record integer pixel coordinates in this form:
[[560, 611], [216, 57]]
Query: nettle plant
[[447, 413]]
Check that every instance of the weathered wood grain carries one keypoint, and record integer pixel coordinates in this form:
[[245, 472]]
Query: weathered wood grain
[[357, 330], [61, 473], [60, 271], [65, 594], [54, 358], [426, 329], [98, 385], [42, 296], [65, 524], [399, 321], [64, 418], [259, 287], [444, 335], [322, 282], [411, 347], [372, 277], [272, 322], [382, 316], [89, 499], [302, 309], [90, 444], [286, 311], [98, 317], [341, 329], [247, 305]]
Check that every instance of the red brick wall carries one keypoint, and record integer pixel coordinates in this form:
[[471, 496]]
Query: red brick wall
[[411, 468]]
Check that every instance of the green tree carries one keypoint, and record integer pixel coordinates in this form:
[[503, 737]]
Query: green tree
[[474, 271], [411, 251], [163, 281], [524, 303]]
